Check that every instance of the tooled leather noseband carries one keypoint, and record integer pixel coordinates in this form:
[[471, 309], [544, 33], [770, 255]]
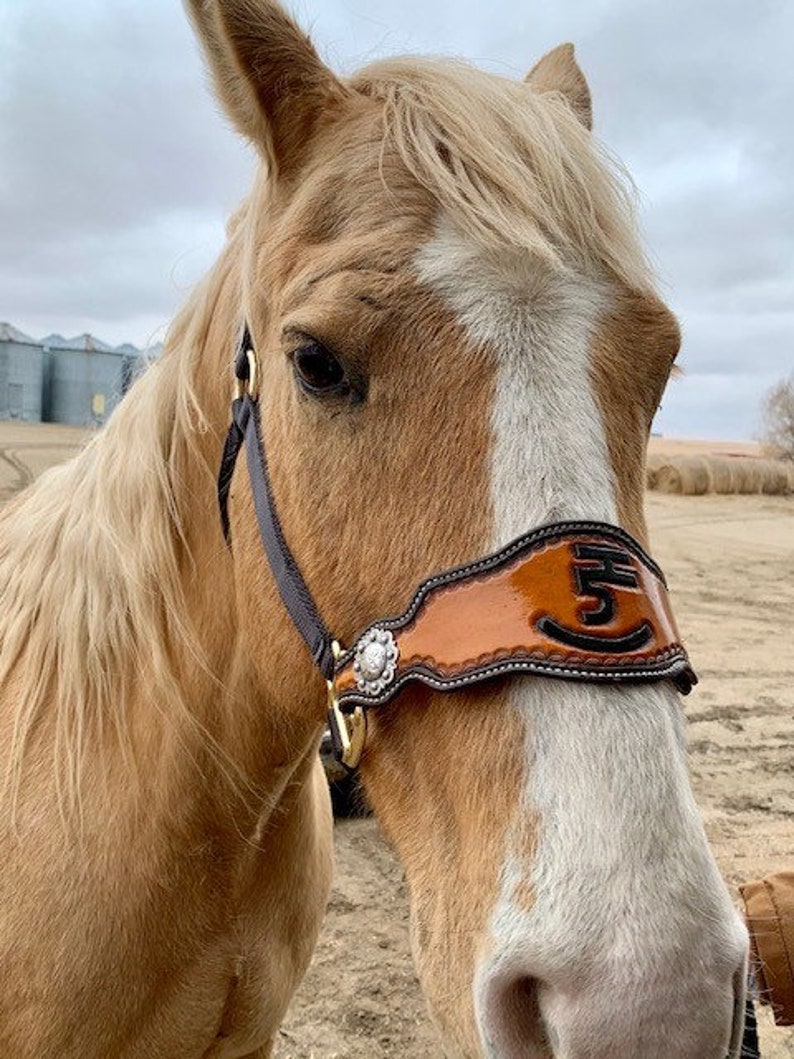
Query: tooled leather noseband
[[576, 600]]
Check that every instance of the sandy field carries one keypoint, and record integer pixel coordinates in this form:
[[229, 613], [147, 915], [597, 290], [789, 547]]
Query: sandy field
[[26, 450], [693, 447], [730, 564]]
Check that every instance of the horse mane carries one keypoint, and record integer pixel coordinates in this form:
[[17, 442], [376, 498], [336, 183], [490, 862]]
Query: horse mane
[[93, 561], [514, 169]]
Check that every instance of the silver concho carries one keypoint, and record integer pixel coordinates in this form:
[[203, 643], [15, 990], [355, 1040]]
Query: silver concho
[[375, 660]]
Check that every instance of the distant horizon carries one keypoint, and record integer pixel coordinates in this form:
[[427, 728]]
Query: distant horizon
[[747, 438], [748, 442]]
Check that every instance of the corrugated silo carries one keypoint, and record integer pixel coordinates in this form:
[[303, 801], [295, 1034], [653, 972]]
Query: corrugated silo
[[21, 375], [85, 384], [134, 365]]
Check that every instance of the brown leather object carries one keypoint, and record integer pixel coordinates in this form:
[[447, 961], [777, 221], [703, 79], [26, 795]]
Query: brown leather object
[[769, 905], [566, 601]]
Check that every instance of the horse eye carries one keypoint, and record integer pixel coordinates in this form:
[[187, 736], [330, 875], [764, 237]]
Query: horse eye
[[318, 371]]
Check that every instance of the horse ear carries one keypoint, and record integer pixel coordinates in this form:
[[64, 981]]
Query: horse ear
[[558, 71], [267, 75]]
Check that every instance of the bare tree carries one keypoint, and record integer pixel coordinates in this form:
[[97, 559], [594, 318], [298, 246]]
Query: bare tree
[[777, 414]]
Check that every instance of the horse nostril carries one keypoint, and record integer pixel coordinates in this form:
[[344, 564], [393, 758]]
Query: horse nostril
[[527, 1017], [513, 1024]]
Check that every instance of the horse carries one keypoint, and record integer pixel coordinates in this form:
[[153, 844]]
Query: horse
[[457, 338]]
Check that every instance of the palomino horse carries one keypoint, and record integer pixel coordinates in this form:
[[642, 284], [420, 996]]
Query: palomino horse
[[456, 340]]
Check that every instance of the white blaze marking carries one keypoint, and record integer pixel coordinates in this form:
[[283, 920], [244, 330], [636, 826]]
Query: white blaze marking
[[605, 773], [550, 458]]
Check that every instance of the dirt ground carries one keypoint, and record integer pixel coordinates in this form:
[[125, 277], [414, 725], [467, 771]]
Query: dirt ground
[[693, 447], [730, 564], [26, 450]]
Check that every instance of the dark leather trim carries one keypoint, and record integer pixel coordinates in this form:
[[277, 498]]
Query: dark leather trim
[[675, 668]]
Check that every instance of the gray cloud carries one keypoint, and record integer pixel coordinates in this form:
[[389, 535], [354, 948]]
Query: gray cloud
[[105, 119], [713, 405], [118, 172]]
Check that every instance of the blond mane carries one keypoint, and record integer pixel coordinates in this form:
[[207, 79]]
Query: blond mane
[[93, 563], [515, 169]]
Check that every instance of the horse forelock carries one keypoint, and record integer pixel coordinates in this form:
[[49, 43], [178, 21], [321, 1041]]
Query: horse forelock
[[512, 168]]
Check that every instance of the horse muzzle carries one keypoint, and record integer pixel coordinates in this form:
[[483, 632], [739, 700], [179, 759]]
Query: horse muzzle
[[613, 1011]]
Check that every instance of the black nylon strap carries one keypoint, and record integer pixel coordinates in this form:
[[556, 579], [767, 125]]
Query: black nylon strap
[[246, 429], [231, 448], [294, 591], [236, 433], [750, 1046]]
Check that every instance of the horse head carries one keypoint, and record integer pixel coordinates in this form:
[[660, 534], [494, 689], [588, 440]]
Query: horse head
[[458, 339]]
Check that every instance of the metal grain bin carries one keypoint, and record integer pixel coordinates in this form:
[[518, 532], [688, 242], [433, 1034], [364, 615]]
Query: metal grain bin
[[21, 376], [85, 384]]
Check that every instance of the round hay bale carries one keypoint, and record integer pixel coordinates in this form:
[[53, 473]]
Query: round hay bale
[[774, 480], [652, 464], [747, 476], [694, 475], [667, 478], [722, 476]]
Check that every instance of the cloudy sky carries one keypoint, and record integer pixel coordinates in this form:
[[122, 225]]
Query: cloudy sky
[[117, 171]]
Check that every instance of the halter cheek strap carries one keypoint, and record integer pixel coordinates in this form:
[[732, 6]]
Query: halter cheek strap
[[246, 429], [576, 600]]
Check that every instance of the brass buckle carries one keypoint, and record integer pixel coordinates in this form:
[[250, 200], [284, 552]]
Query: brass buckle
[[251, 384], [348, 731]]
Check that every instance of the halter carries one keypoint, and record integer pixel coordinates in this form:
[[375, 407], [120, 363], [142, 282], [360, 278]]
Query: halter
[[575, 600]]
